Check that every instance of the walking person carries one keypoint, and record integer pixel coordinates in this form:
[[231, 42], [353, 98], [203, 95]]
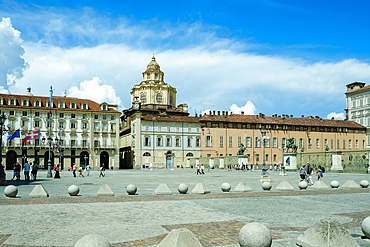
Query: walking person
[[309, 174], [88, 169], [198, 169], [34, 170], [18, 171], [31, 169], [26, 171], [101, 170], [319, 173], [302, 172], [15, 171], [80, 172], [57, 175], [74, 168], [202, 169]]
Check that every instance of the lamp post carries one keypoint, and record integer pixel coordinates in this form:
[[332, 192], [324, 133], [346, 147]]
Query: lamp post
[[2, 172], [49, 174], [264, 138], [282, 167], [24, 158]]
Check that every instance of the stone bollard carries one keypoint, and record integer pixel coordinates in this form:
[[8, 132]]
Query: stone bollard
[[266, 186], [131, 189], [225, 187], [10, 191], [365, 227], [183, 188], [255, 234], [334, 184], [302, 185], [73, 190], [364, 184], [93, 240]]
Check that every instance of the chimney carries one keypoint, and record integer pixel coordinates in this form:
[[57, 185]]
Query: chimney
[[227, 113], [218, 112], [291, 116], [302, 116], [242, 113], [214, 112], [196, 115], [223, 113]]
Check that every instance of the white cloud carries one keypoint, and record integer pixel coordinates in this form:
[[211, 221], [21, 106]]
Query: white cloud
[[96, 91], [338, 116], [12, 63], [248, 109]]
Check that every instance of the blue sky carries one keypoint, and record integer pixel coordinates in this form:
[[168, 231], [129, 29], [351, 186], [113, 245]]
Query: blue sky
[[274, 57]]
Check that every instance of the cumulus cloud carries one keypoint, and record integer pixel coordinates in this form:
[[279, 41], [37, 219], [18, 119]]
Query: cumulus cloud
[[248, 108], [96, 91], [12, 63], [338, 116]]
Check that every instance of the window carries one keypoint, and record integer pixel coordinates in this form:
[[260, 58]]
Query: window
[[168, 141], [301, 144], [104, 107], [96, 126], [267, 142], [189, 155], [257, 157], [11, 113], [61, 115], [356, 143], [309, 143], [37, 114], [61, 105], [221, 125], [73, 105], [96, 143], [146, 141], [258, 142], [12, 102], [178, 144], [239, 140], [274, 142], [23, 123], [105, 127], [96, 117], [221, 141], [267, 157], [248, 142], [37, 103], [189, 142], [363, 144], [209, 141], [274, 157], [37, 124], [159, 98], [73, 115], [317, 143], [350, 144], [37, 142], [344, 144], [104, 117], [156, 76], [112, 117], [143, 98], [332, 144], [24, 113], [148, 76], [73, 143], [159, 142], [283, 142], [73, 125], [84, 125], [168, 128], [326, 143], [84, 106], [197, 143], [25, 103], [48, 125], [146, 154], [338, 144], [112, 126], [83, 116], [61, 125], [230, 141]]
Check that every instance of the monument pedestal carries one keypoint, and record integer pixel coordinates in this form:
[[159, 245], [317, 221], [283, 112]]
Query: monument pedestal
[[337, 162], [265, 178]]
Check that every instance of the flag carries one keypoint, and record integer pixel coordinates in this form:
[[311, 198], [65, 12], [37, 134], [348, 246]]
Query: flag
[[16, 134], [26, 141], [51, 98], [33, 135], [287, 161]]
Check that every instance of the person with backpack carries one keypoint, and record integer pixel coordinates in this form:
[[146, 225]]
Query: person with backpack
[[319, 173], [34, 170]]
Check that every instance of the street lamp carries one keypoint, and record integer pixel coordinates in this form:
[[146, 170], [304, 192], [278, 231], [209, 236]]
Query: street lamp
[[49, 174], [2, 172], [24, 158], [264, 138], [282, 167]]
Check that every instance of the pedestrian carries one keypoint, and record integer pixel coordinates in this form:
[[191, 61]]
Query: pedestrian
[[309, 173], [34, 170], [15, 171], [80, 172], [302, 172], [18, 171], [57, 175], [74, 168], [202, 169], [319, 173], [88, 169], [31, 169], [101, 170], [198, 169], [26, 170]]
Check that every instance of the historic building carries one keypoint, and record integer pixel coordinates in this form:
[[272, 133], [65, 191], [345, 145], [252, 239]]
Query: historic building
[[80, 130], [222, 134], [358, 105], [154, 131]]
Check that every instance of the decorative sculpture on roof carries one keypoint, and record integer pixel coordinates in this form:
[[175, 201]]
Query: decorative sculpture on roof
[[291, 145], [241, 149]]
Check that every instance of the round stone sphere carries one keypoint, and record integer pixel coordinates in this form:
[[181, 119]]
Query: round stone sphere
[[183, 188], [225, 187], [266, 186], [10, 191], [365, 227], [302, 185], [93, 240], [334, 184], [131, 189], [255, 235], [73, 190], [364, 183]]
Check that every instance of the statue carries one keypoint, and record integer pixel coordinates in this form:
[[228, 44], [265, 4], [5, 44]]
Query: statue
[[241, 149], [291, 144]]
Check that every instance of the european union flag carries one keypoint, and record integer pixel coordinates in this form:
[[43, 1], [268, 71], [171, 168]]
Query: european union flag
[[16, 134]]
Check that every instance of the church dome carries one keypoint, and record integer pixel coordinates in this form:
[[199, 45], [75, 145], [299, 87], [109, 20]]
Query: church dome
[[153, 64]]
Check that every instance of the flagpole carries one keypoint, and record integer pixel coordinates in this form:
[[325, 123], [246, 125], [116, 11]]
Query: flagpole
[[50, 175]]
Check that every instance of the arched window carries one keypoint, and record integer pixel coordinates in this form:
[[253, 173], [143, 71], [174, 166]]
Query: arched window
[[159, 98], [189, 155], [146, 154], [143, 98], [24, 102], [104, 107], [84, 106], [12, 102], [73, 105], [37, 104], [61, 105]]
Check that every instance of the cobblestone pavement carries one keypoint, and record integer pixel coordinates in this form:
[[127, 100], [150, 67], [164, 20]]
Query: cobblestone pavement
[[145, 219]]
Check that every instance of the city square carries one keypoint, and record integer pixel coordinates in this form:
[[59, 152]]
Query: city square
[[145, 219]]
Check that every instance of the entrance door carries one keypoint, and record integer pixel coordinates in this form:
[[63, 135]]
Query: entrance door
[[104, 159], [11, 159], [169, 161], [84, 156]]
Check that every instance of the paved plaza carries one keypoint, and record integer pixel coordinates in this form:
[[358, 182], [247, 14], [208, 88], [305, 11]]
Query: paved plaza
[[145, 219]]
